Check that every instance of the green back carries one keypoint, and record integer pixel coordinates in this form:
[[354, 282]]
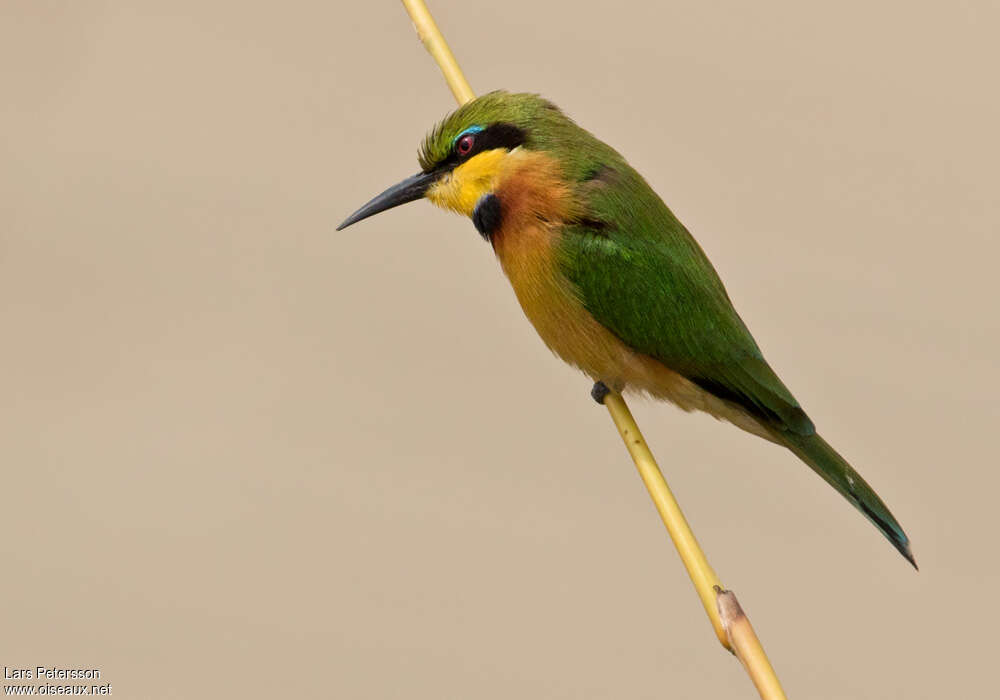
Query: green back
[[642, 275]]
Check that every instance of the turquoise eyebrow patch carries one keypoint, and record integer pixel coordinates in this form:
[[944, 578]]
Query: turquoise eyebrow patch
[[471, 130]]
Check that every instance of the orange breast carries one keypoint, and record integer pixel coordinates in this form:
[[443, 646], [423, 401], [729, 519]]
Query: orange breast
[[535, 202]]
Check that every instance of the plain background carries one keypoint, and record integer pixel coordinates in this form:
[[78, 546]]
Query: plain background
[[246, 456]]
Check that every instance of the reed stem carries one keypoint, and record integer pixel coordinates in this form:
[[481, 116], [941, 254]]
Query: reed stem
[[731, 625]]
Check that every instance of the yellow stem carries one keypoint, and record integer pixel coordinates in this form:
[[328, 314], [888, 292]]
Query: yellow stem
[[690, 551], [731, 626], [435, 44], [744, 643]]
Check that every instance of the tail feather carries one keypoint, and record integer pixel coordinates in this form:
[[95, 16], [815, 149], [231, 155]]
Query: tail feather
[[824, 460]]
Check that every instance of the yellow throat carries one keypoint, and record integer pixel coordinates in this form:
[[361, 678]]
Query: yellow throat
[[461, 189]]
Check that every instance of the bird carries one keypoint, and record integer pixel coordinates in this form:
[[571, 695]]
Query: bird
[[611, 280]]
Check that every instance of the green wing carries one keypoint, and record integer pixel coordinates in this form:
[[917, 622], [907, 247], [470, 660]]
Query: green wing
[[642, 276]]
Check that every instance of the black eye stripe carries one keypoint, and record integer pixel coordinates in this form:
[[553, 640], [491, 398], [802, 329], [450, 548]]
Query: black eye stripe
[[497, 136], [494, 136]]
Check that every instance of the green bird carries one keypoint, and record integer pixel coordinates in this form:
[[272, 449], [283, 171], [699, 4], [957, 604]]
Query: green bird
[[611, 280]]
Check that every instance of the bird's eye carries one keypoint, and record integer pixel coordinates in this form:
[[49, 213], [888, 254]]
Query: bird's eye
[[464, 145]]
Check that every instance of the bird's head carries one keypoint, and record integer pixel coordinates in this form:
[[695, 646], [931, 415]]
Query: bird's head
[[462, 157]]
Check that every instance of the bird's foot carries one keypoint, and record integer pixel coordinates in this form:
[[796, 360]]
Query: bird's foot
[[599, 392]]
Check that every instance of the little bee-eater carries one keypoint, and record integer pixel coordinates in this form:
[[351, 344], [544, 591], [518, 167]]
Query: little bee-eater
[[611, 280]]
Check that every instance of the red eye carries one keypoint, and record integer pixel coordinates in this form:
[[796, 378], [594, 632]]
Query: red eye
[[464, 145]]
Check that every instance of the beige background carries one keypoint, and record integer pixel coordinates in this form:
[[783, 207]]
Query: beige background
[[246, 456]]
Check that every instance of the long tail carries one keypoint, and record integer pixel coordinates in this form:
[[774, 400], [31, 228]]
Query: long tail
[[824, 460]]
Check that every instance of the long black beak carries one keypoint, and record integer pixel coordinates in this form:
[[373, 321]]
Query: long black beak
[[409, 190]]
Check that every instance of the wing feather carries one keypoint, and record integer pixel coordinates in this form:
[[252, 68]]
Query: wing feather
[[650, 284]]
